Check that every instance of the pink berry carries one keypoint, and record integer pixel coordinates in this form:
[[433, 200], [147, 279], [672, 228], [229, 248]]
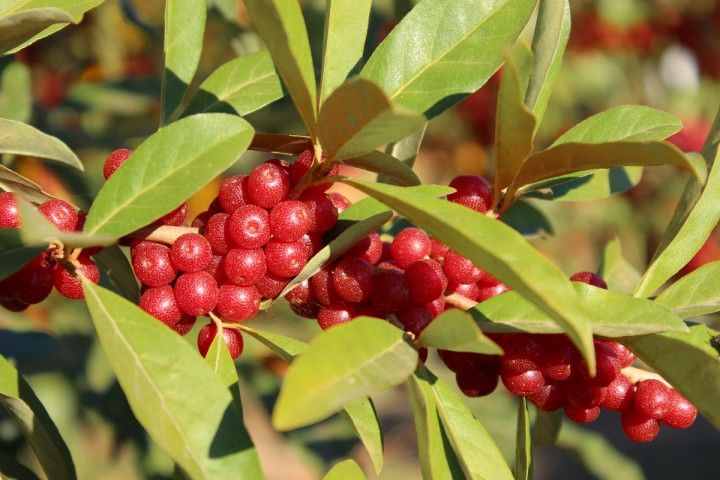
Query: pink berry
[[267, 185], [68, 285], [652, 398], [153, 267], [352, 280], [60, 213], [285, 259], [196, 293], [236, 303], [639, 427], [9, 215], [410, 245], [233, 340], [249, 227], [233, 194], [591, 278], [681, 413], [244, 267], [160, 303], [191, 252], [289, 221], [114, 160], [426, 280]]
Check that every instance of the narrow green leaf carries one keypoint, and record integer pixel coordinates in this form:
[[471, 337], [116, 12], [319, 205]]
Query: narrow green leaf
[[15, 93], [35, 229], [457, 331], [546, 428], [385, 165], [697, 215], [527, 219], [369, 356], [405, 150], [274, 143], [695, 294], [116, 266], [622, 315], [617, 272], [586, 185], [688, 361], [167, 388], [514, 121], [22, 139], [346, 470], [552, 31], [184, 31], [18, 29], [443, 51], [281, 26], [240, 86], [26, 188], [476, 451], [221, 363], [11, 469], [33, 421], [284, 347], [166, 169], [517, 263], [346, 25], [362, 416], [358, 118], [523, 443], [14, 254]]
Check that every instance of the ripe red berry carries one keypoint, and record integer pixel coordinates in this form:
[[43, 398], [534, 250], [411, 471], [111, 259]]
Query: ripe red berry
[[301, 166], [556, 358], [323, 214], [289, 221], [285, 259], [32, 283], [525, 383], [244, 267], [477, 383], [591, 278], [473, 191], [216, 231], [237, 303], [652, 398], [13, 305], [681, 413], [9, 216], [426, 280], [624, 355], [369, 248], [438, 250], [232, 194], [196, 293], [582, 415], [321, 286], [607, 366], [185, 325], [391, 291], [335, 314], [313, 243], [436, 307], [415, 318], [175, 218], [522, 352], [191, 252], [582, 394], [549, 398], [467, 290], [249, 227], [114, 160], [340, 201], [639, 427], [410, 245], [153, 267], [233, 340], [487, 293], [215, 269], [460, 269], [619, 394], [301, 300], [271, 286], [352, 280], [60, 213], [466, 361], [160, 303], [68, 284], [267, 185]]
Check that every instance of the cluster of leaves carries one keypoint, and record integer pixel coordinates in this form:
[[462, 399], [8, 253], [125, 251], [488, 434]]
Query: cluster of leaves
[[438, 54]]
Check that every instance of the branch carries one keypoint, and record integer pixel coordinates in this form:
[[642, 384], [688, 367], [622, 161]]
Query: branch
[[163, 233], [638, 375]]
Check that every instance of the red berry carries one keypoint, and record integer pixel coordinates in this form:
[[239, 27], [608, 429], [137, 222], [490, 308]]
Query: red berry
[[339, 200], [549, 398], [271, 286], [196, 293], [68, 284], [160, 303], [477, 383], [334, 315], [652, 398], [244, 267], [215, 232], [410, 245], [191, 252], [301, 166], [526, 383], [467, 290], [32, 283], [301, 300], [438, 250], [313, 243], [175, 218], [490, 292], [236, 303], [619, 394], [391, 292], [591, 278], [556, 358], [607, 366], [582, 394], [289, 221], [9, 215], [522, 352], [624, 355], [473, 191], [323, 214], [153, 267], [436, 307], [60, 213], [681, 413], [639, 427], [321, 286], [473, 203], [215, 269], [352, 280], [582, 415], [13, 305], [267, 185], [185, 325], [233, 194], [249, 227], [460, 269], [114, 160], [467, 361], [201, 219], [233, 340], [415, 318], [285, 259], [369, 248], [426, 280]]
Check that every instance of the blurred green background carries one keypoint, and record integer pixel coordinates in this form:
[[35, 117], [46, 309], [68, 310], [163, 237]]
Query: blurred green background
[[96, 86]]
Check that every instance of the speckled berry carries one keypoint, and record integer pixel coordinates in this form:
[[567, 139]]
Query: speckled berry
[[9, 216], [232, 194], [191, 252], [472, 191], [160, 303], [249, 227], [391, 291], [267, 185], [619, 394], [591, 278], [270, 286], [335, 314], [289, 221], [460, 269], [174, 218], [152, 266], [33, 282], [323, 214], [410, 245], [526, 383], [233, 340], [285, 259], [582, 415], [369, 248], [244, 267], [652, 398], [352, 280], [415, 318], [236, 303], [60, 213], [68, 284], [114, 160], [196, 293], [426, 280], [216, 233], [681, 413], [639, 427], [340, 201]]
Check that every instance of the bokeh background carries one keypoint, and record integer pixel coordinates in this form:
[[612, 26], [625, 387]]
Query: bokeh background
[[96, 86]]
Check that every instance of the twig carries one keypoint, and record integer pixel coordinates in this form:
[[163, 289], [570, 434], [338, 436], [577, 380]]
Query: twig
[[163, 234]]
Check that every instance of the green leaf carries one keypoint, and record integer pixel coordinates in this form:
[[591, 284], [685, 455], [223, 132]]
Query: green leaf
[[14, 254], [168, 387], [227, 8], [697, 215], [617, 272], [346, 470], [695, 294], [116, 266], [15, 92], [688, 361], [527, 219], [281, 26], [437, 458], [274, 143], [476, 451], [11, 469], [405, 150], [166, 169], [456, 330], [476, 236], [514, 122], [358, 118], [33, 421], [240, 86], [622, 315], [547, 428], [442, 51], [523, 443], [552, 31], [183, 43], [362, 416], [26, 188], [18, 29], [221, 363], [369, 356], [387, 166], [22, 139], [35, 229], [284, 347], [346, 25]]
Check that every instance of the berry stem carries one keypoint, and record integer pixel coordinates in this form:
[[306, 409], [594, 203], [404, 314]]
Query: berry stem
[[638, 375], [163, 234], [459, 301]]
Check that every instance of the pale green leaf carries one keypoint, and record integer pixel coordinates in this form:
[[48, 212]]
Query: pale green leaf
[[386, 166], [523, 443], [15, 92], [221, 363], [547, 427], [695, 294], [617, 272], [346, 470], [22, 139], [456, 330], [17, 30]]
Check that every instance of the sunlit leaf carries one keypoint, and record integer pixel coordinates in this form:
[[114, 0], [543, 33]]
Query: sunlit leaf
[[456, 330], [22, 139], [385, 165], [346, 470], [523, 443], [695, 294], [15, 92]]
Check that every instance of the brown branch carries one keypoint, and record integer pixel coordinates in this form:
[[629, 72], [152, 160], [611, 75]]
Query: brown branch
[[457, 300], [163, 234], [638, 375]]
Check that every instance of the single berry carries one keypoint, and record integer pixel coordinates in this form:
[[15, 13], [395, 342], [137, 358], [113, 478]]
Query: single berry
[[549, 398], [582, 415], [436, 307], [301, 300], [285, 259], [556, 359], [624, 355], [467, 290], [233, 340], [153, 267], [289, 221], [487, 293], [114, 160], [13, 305], [340, 201], [60, 213], [302, 165], [460, 269], [652, 398], [32, 283], [467, 361], [196, 293], [249, 227], [477, 383], [473, 191], [639, 427], [175, 218], [415, 318], [334, 315], [191, 252], [233, 194], [271, 286], [438, 250], [9, 215], [323, 214], [236, 303], [321, 286], [369, 248], [160, 303], [607, 366], [313, 243], [410, 245], [244, 267], [267, 185], [216, 231], [391, 291], [582, 394], [352, 280], [526, 383], [591, 278], [68, 285], [185, 325], [681, 413], [619, 394], [426, 280]]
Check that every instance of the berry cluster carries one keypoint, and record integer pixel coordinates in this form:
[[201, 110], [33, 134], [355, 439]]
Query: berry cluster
[[52, 268]]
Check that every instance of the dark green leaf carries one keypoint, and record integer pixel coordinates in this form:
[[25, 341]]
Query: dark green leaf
[[14, 253], [116, 266], [622, 315], [346, 470], [527, 219], [547, 428], [166, 169], [523, 443], [281, 26], [362, 416], [184, 31], [369, 356], [15, 93], [19, 28], [387, 166], [274, 143], [695, 294], [476, 237], [168, 387], [457, 331], [405, 150], [240, 86], [33, 421], [586, 185], [11, 469], [442, 51], [617, 272], [22, 139], [346, 24]]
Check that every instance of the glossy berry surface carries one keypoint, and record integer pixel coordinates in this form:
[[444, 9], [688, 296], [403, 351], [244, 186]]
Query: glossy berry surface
[[267, 185], [415, 318], [323, 214], [196, 293], [426, 280], [681, 413], [153, 267], [191, 252], [271, 286], [334, 314], [289, 221], [410, 245], [582, 415], [244, 267], [249, 227], [68, 285], [459, 269], [114, 160], [9, 216], [215, 232], [160, 303], [639, 427], [652, 398], [236, 303], [285, 259], [477, 383], [619, 394], [591, 278], [232, 194], [60, 213], [473, 191], [525, 383], [352, 280], [369, 248], [233, 340]]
